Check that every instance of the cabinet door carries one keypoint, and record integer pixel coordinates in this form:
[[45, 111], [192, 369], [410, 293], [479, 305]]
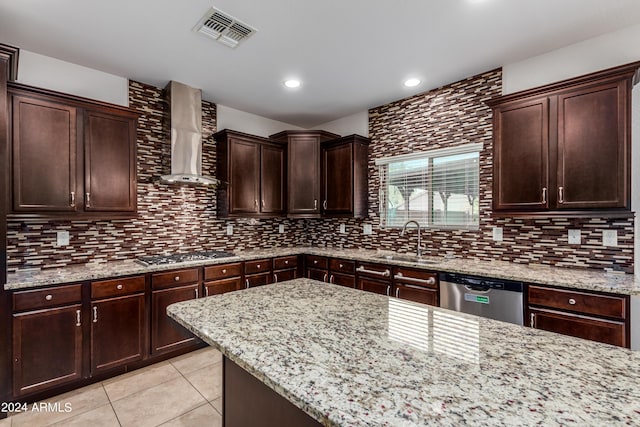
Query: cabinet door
[[284, 275], [521, 155], [44, 147], [218, 287], [592, 147], [117, 332], [416, 293], [304, 176], [606, 331], [257, 280], [244, 176], [376, 286], [347, 280], [337, 179], [110, 162], [315, 274], [47, 348], [272, 191], [166, 333]]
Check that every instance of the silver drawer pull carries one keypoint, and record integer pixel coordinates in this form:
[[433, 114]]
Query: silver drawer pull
[[78, 322], [176, 279], [258, 266], [286, 262], [95, 314], [341, 265], [572, 301], [385, 273], [315, 261], [119, 287], [429, 281], [224, 271], [49, 297]]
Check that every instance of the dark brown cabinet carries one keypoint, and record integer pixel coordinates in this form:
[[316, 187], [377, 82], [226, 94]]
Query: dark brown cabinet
[[219, 279], [565, 147], [285, 268], [70, 156], [253, 169], [588, 315], [118, 326], [257, 273], [47, 338], [317, 267], [168, 288], [374, 278], [416, 285], [303, 171], [342, 272], [345, 177]]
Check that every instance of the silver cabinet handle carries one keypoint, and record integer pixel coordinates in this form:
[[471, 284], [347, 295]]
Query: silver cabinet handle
[[88, 195], [397, 292], [572, 301], [95, 314], [324, 205], [532, 320], [331, 279], [275, 278], [78, 322], [324, 278], [429, 281], [385, 273], [176, 279], [119, 287], [262, 203], [49, 297], [315, 204], [73, 199], [388, 290], [544, 195], [224, 271], [258, 266], [246, 284], [315, 261], [206, 291], [286, 262], [196, 293], [255, 203], [560, 194], [341, 265]]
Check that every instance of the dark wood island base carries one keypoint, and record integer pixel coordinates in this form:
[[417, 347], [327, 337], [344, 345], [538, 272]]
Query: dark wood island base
[[248, 402]]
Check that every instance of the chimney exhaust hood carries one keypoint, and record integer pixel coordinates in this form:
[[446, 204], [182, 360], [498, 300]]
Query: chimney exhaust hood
[[185, 104]]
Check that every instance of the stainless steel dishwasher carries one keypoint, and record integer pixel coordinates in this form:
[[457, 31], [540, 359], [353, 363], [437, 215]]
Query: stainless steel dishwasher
[[492, 298]]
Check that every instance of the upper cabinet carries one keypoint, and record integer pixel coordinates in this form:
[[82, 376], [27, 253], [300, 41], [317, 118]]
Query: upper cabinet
[[304, 196], [253, 171], [564, 149], [344, 176], [69, 156]]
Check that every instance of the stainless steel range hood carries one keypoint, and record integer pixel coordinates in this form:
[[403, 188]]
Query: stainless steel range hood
[[185, 104]]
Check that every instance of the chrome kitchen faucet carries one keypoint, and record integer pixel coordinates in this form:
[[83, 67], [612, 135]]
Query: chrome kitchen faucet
[[404, 228]]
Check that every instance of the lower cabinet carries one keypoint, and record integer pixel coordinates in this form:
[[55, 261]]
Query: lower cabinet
[[342, 272], [588, 315], [118, 326], [416, 285], [47, 338], [285, 268], [168, 288], [374, 278], [219, 279], [257, 273]]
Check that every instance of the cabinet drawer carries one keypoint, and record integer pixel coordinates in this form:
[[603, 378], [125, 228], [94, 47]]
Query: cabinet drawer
[[378, 271], [318, 262], [222, 286], [48, 297], [342, 266], [117, 287], [257, 266], [285, 262], [606, 331], [174, 278], [582, 302], [415, 277], [222, 271]]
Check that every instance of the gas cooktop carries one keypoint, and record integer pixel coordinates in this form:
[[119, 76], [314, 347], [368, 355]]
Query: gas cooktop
[[176, 258]]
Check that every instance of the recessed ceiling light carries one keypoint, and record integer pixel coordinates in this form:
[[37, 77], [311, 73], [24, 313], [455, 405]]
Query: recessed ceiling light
[[292, 83], [412, 82]]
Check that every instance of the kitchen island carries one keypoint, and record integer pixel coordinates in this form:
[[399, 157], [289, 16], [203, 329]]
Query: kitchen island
[[347, 357]]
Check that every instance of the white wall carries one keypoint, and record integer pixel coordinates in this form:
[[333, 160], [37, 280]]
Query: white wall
[[356, 123], [50, 73], [606, 51], [230, 118]]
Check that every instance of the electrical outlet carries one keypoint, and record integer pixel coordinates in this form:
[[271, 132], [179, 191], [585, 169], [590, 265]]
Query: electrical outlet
[[343, 229], [609, 237], [62, 238], [366, 229], [281, 228], [575, 237], [497, 234], [229, 230]]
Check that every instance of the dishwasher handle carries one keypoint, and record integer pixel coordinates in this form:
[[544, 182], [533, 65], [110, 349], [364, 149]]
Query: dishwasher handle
[[478, 288]]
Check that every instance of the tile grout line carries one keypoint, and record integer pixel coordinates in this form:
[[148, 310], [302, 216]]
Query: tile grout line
[[111, 404]]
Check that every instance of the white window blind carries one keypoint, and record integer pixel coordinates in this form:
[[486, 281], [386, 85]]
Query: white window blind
[[438, 188]]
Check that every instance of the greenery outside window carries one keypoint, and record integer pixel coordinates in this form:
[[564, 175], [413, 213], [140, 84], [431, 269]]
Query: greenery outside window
[[438, 188]]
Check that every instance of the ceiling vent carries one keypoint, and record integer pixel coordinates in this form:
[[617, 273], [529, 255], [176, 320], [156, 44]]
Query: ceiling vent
[[224, 28]]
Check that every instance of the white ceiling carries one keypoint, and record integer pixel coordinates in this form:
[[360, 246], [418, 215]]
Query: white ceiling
[[350, 54]]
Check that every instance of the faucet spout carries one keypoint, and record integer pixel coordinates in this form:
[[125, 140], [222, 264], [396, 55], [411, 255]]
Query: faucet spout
[[404, 229]]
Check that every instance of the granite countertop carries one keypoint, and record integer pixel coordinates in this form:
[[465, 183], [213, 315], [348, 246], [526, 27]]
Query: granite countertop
[[355, 358], [626, 284]]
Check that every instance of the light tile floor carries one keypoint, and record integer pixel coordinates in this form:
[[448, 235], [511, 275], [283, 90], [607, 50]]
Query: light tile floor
[[182, 392]]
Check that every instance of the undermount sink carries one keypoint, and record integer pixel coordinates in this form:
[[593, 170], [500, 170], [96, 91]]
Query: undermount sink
[[407, 258]]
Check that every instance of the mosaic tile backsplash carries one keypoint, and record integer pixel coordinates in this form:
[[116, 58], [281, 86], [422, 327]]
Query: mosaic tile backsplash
[[172, 218]]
